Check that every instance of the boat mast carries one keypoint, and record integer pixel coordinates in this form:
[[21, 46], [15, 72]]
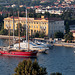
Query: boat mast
[[27, 30], [13, 28], [19, 30], [9, 32], [28, 33], [26, 25]]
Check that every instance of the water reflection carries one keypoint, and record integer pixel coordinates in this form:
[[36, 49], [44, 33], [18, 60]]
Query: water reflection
[[4, 42]]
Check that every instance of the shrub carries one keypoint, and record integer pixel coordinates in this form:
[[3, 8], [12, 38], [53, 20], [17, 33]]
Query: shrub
[[27, 67]]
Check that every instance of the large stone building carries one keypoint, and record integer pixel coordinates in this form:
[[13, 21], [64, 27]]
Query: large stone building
[[49, 26], [72, 29], [55, 25]]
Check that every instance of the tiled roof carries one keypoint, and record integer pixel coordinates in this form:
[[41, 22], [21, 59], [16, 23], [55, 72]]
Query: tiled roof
[[54, 19], [73, 31], [51, 19], [14, 17]]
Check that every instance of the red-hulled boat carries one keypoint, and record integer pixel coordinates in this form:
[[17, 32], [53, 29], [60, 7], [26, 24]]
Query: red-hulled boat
[[19, 53], [23, 53]]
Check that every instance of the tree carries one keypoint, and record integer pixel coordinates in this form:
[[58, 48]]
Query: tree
[[22, 30], [58, 35], [4, 32], [37, 34], [67, 29], [69, 36], [27, 67], [56, 73], [42, 34]]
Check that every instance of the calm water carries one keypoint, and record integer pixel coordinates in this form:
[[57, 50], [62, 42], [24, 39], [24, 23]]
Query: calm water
[[57, 59]]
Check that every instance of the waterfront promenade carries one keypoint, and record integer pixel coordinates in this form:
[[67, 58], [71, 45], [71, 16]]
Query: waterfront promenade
[[64, 44], [7, 37]]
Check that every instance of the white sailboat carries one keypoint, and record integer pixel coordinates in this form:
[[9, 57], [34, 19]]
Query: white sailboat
[[30, 45]]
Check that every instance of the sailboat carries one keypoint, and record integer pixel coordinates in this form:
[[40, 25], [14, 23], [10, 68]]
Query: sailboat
[[18, 52]]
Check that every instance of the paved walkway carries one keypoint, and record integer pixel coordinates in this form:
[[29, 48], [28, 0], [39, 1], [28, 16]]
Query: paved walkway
[[65, 44]]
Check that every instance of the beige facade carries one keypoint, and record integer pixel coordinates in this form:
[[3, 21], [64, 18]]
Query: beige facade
[[35, 25], [49, 26]]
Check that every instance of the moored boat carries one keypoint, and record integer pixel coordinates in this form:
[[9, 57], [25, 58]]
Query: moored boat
[[18, 52], [22, 53]]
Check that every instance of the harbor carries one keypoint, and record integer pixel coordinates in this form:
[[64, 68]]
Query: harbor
[[58, 59]]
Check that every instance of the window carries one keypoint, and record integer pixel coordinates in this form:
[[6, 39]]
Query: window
[[34, 31], [31, 32], [6, 25], [45, 27]]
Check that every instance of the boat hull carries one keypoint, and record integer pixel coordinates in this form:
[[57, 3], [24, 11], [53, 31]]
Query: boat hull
[[22, 54]]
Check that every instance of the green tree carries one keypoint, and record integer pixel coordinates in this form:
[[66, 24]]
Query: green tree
[[69, 36], [42, 34], [27, 67], [4, 32], [37, 34], [67, 29], [58, 35], [22, 30]]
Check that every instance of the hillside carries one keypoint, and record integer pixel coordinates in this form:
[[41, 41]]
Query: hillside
[[28, 2]]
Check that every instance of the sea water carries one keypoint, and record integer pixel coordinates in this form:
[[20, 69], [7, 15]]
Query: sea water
[[57, 59]]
